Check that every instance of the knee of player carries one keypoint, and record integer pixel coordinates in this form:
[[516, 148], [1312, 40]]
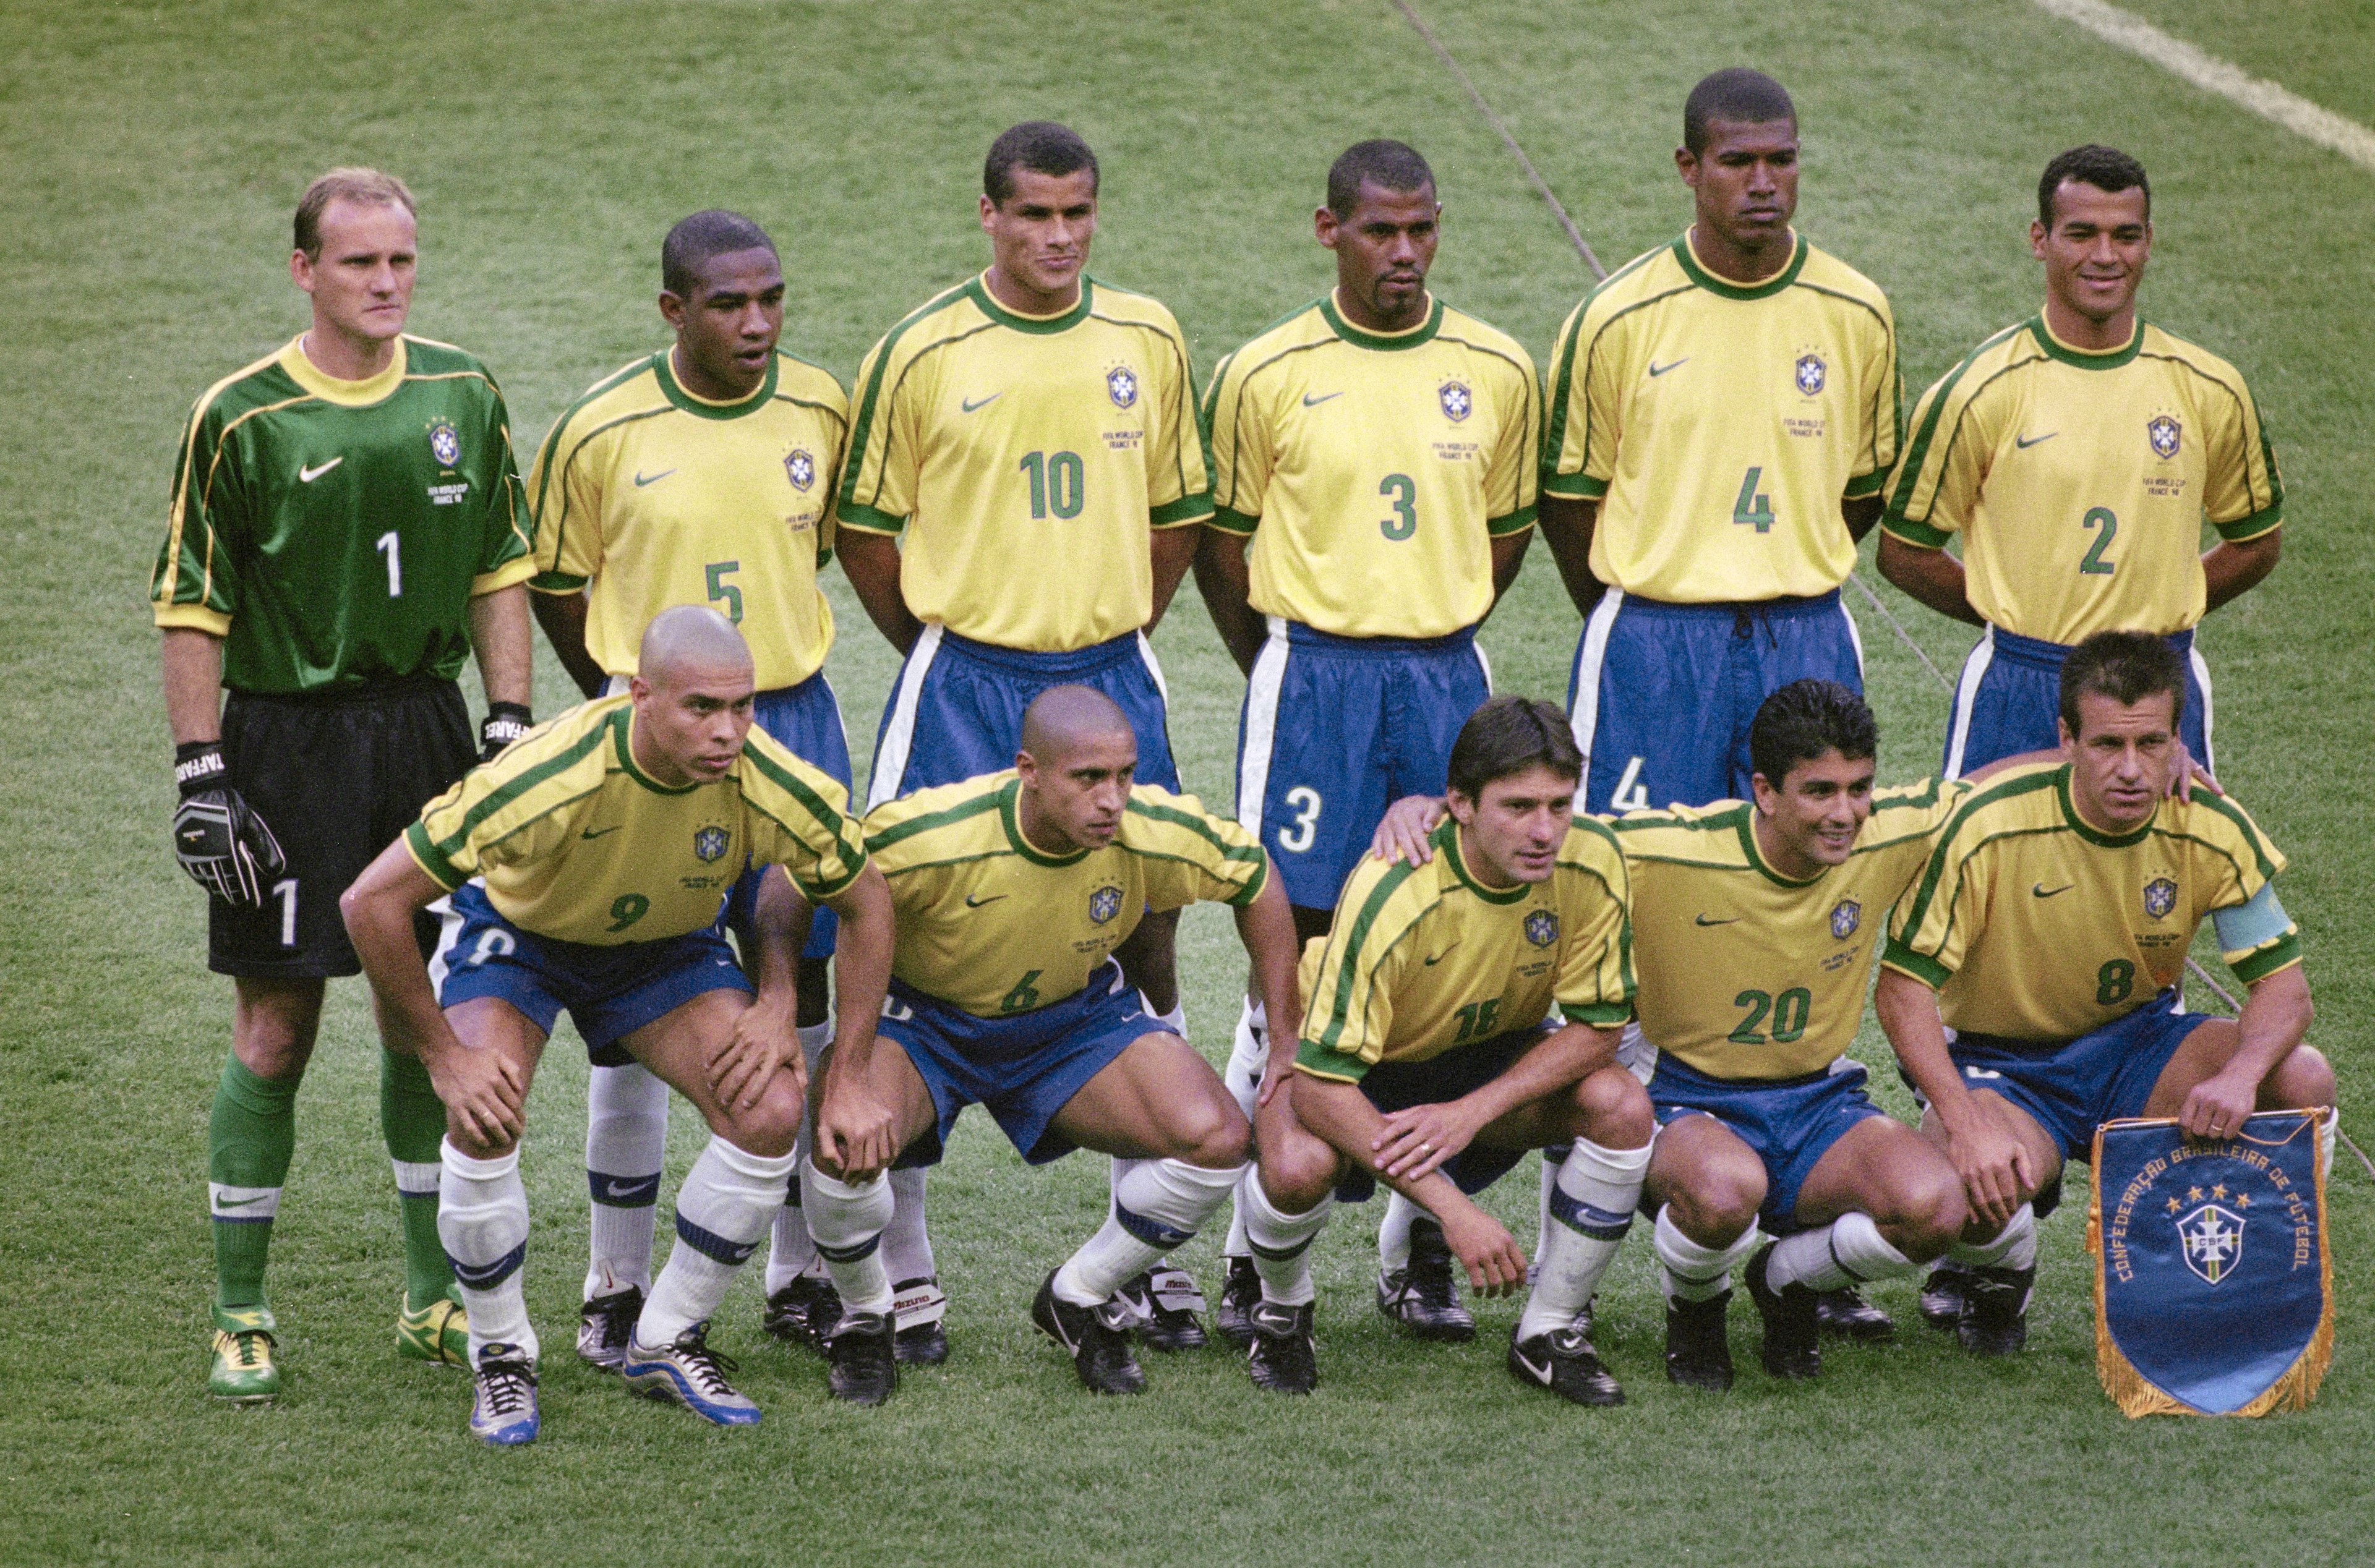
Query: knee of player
[[1212, 1132], [1614, 1110], [1298, 1171], [1932, 1212], [2305, 1079], [472, 1146], [770, 1127]]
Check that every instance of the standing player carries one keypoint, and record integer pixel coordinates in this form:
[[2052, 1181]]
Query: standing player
[[1377, 449], [346, 526], [1426, 1061], [1723, 412], [702, 473], [1012, 893], [2077, 454], [1020, 502], [2050, 930], [585, 871]]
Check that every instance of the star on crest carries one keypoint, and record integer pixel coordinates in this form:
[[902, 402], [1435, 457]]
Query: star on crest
[[2174, 1206], [2218, 1191], [2242, 1200], [2193, 1194]]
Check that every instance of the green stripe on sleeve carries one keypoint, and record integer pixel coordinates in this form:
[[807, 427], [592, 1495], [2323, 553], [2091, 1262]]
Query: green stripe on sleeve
[[1517, 522], [2261, 521], [1320, 1062], [867, 520], [1572, 487], [1244, 896], [1864, 485], [1230, 522], [1348, 962], [1920, 966], [2260, 962], [441, 870], [557, 582], [1186, 508], [1920, 535], [1602, 1015]]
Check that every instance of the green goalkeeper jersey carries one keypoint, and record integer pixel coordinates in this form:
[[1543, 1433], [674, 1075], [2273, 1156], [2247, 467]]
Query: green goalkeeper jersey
[[333, 533]]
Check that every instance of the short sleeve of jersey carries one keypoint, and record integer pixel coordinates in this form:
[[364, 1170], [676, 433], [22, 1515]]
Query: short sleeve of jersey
[[193, 585], [2244, 495], [477, 823], [1179, 484], [508, 557], [1579, 440], [1935, 484], [1189, 856], [1930, 926], [1595, 977], [1239, 435], [1880, 420], [1512, 472], [878, 482], [566, 496], [800, 820]]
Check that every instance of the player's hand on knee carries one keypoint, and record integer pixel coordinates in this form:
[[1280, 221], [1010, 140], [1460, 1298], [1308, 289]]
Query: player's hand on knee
[[219, 840], [1993, 1164], [2216, 1107], [1496, 1264], [746, 1059], [504, 722], [1417, 1140], [1401, 832], [858, 1132], [483, 1091]]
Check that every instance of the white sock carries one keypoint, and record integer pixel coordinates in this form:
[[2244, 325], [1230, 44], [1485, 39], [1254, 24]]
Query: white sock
[[417, 1180], [1692, 1272], [1848, 1251], [1394, 1231], [1176, 1021], [791, 1252], [1248, 1055], [1552, 1157], [1597, 1188], [2014, 1248], [626, 1143], [1157, 1204], [1281, 1242], [2330, 1129], [482, 1221], [728, 1199], [906, 1250], [847, 1219]]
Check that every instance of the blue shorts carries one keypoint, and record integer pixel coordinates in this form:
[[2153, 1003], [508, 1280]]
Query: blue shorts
[[956, 710], [2072, 1088], [1463, 1069], [1791, 1123], [1334, 730], [609, 992], [1662, 694], [1021, 1069], [2009, 700]]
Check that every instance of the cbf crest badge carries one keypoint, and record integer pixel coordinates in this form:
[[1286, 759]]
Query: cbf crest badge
[[1846, 915], [799, 467], [2160, 897], [2164, 433], [1105, 904], [445, 443], [1457, 400], [2213, 1292], [710, 843], [1121, 385], [1811, 373], [1542, 928]]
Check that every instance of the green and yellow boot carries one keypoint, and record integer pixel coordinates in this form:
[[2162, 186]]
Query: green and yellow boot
[[243, 1372], [438, 1334]]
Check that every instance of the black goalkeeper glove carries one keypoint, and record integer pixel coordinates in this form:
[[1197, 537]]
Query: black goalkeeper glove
[[504, 722], [220, 840]]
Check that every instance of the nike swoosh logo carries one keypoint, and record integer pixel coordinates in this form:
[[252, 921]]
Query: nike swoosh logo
[[1728, 920], [598, 833], [969, 406], [2024, 442], [1654, 371], [240, 1202], [973, 902], [307, 476], [642, 479], [2041, 891], [194, 835], [1311, 402], [1437, 959], [1541, 1374]]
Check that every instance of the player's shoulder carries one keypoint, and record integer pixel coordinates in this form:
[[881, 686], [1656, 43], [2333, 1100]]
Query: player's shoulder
[[949, 313], [768, 766], [261, 383], [1112, 302], [1986, 366], [1827, 274], [1590, 846], [2028, 799], [1911, 811], [2220, 822], [567, 753], [1691, 835], [1652, 275], [428, 357], [2157, 342], [1383, 899], [1301, 329], [632, 388], [1154, 815], [805, 380], [965, 817], [1482, 336]]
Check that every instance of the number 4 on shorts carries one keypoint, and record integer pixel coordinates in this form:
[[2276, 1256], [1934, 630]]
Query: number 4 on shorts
[[1630, 794]]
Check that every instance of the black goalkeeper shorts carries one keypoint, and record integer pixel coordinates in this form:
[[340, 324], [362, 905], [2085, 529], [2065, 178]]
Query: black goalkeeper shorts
[[336, 777]]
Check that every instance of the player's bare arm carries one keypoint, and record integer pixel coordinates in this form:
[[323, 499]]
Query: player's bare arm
[[871, 562], [1508, 557], [563, 619], [1566, 523], [1174, 553], [2230, 570], [761, 1040], [1998, 1168], [500, 642], [1265, 926], [1227, 583], [1860, 513], [1410, 1143], [1931, 577], [2276, 1018]]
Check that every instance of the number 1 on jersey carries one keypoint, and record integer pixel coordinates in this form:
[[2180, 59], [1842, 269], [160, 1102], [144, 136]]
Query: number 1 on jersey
[[1751, 507], [391, 543]]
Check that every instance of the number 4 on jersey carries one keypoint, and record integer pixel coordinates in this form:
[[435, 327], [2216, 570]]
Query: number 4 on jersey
[[1752, 507]]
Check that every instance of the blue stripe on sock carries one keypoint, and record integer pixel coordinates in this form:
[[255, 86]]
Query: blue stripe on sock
[[623, 1192], [487, 1276], [1599, 1224], [710, 1245], [1282, 1255], [1154, 1232], [850, 1254]]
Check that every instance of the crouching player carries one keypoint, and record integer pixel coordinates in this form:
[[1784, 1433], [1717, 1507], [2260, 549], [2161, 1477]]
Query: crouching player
[[587, 866], [1012, 890], [2050, 930], [1428, 1060]]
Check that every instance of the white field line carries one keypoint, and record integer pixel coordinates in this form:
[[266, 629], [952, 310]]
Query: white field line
[[2294, 112]]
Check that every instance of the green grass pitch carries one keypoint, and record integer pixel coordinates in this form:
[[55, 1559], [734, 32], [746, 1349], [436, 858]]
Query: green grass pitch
[[153, 155]]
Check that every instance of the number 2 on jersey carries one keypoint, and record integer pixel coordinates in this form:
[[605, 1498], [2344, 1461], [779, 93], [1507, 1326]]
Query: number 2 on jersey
[[1402, 495], [2095, 565]]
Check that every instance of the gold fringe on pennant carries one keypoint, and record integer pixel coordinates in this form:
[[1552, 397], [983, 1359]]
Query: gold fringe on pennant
[[2137, 1395]]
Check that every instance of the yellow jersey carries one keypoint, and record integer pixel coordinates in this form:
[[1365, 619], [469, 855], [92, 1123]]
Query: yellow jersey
[[1023, 460], [648, 496], [1719, 426], [1426, 959], [576, 843], [992, 923], [2031, 924], [1745, 974], [2079, 480], [1372, 469]]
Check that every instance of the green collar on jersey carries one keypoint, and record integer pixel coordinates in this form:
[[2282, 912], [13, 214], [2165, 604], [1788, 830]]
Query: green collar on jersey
[[1756, 852], [701, 407], [1447, 840], [978, 292], [1725, 289], [2086, 358], [2086, 830], [1386, 342], [1009, 797], [622, 726]]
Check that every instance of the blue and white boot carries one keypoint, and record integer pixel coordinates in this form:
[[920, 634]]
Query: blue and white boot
[[503, 1412], [692, 1375]]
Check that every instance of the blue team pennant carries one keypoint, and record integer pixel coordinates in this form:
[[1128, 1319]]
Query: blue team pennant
[[2213, 1291]]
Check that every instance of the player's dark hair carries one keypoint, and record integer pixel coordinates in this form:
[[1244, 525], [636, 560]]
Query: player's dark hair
[[364, 187], [1509, 734], [1041, 146], [2126, 666], [694, 240], [1804, 720], [2105, 168], [1737, 94], [1389, 166]]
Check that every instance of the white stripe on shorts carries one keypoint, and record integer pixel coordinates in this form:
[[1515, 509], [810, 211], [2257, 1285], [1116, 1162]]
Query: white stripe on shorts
[[1967, 691], [1585, 719], [899, 735], [1855, 637], [1259, 734], [2209, 737], [1154, 668], [449, 932]]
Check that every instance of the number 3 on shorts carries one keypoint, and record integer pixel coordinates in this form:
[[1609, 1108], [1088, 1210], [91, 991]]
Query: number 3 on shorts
[[1297, 836]]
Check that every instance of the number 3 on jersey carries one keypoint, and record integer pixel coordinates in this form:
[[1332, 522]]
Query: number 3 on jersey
[[1403, 496]]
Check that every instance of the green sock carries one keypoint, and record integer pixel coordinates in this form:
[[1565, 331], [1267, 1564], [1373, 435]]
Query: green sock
[[413, 1120], [250, 1137]]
